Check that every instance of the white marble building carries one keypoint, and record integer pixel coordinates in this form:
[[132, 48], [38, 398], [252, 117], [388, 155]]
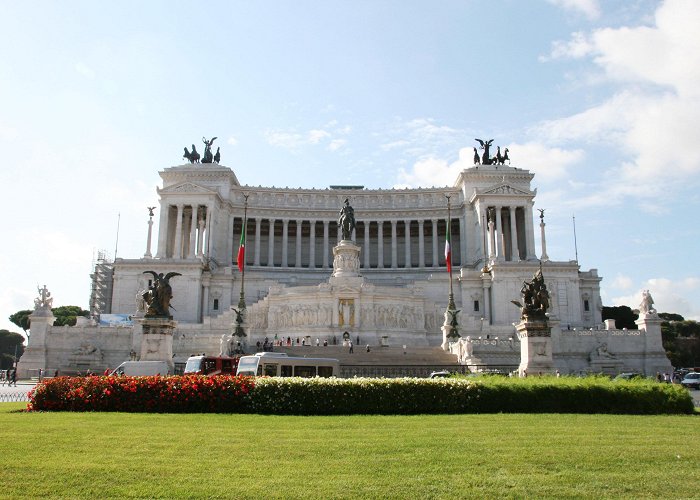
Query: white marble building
[[396, 296]]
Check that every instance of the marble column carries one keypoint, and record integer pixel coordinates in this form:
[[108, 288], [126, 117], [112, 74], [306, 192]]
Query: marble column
[[297, 245], [421, 244], [500, 244], [258, 224], [177, 248], [492, 240], [514, 255], [325, 244], [529, 233], [148, 254], [285, 241], [366, 224], [544, 257], [191, 252], [207, 243], [394, 246], [380, 244], [200, 239], [271, 243], [407, 244], [462, 242], [163, 232], [312, 244], [436, 239]]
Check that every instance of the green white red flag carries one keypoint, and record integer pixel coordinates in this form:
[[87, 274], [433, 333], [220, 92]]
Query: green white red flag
[[448, 249], [241, 251]]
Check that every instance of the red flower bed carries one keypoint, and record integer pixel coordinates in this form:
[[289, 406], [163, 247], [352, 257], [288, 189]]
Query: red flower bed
[[177, 394]]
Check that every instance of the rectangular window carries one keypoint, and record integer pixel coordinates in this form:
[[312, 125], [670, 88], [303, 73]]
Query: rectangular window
[[285, 371], [216, 304], [586, 305], [305, 371], [476, 306], [270, 370], [325, 371]]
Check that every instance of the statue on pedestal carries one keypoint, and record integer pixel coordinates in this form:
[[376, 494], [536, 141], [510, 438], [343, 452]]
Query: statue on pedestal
[[535, 299], [208, 156], [647, 305], [346, 220], [158, 295], [44, 300]]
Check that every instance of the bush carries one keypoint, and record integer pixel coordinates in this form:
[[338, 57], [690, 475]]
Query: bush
[[321, 396], [185, 394]]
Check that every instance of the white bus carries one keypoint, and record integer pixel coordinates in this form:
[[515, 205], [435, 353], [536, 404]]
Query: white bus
[[273, 364]]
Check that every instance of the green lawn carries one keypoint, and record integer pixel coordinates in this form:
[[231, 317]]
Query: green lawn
[[100, 455]]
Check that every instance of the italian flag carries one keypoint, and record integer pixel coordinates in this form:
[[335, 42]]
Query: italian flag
[[448, 249], [241, 251]]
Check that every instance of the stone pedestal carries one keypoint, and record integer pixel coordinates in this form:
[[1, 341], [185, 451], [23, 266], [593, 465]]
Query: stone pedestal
[[157, 340], [346, 260], [535, 348], [34, 356], [655, 359]]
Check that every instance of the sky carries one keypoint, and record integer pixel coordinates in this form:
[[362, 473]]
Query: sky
[[599, 99]]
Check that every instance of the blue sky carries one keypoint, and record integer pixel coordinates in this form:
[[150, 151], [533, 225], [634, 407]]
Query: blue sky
[[599, 99]]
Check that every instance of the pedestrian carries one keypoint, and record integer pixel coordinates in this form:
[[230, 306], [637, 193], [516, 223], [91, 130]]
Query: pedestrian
[[558, 374], [13, 377], [3, 376], [318, 342], [350, 351], [367, 347]]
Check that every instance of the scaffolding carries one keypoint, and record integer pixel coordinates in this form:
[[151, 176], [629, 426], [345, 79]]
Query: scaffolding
[[101, 282]]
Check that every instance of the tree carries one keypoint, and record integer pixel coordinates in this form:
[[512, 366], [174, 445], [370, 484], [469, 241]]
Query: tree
[[624, 316], [681, 340], [21, 318], [66, 315], [10, 343]]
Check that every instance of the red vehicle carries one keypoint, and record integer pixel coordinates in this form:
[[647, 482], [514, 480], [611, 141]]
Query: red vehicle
[[211, 365]]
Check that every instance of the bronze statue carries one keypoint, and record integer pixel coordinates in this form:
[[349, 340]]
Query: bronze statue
[[485, 145], [150, 211], [208, 157], [477, 160], [158, 295], [535, 299], [192, 157], [217, 156], [346, 220]]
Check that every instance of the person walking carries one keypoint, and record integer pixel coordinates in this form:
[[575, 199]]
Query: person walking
[[350, 351], [13, 377]]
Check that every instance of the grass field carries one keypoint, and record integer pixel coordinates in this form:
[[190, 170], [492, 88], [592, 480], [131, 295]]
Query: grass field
[[119, 455]]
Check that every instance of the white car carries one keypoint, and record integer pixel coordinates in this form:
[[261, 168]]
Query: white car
[[691, 380]]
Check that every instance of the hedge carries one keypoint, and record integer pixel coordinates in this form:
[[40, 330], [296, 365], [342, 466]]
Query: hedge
[[319, 396]]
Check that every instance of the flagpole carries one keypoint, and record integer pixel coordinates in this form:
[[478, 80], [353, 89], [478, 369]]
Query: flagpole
[[451, 303], [241, 301]]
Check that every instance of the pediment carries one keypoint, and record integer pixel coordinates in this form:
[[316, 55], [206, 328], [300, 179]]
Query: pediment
[[186, 187], [506, 189]]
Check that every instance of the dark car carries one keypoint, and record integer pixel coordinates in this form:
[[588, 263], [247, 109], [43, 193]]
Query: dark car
[[691, 381]]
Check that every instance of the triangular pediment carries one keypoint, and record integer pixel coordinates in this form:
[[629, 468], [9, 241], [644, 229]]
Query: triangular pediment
[[506, 189], [186, 187]]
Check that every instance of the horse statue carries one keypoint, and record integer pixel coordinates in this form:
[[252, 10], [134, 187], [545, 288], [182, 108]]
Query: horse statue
[[485, 145], [346, 220], [505, 157], [194, 155], [217, 156], [477, 160]]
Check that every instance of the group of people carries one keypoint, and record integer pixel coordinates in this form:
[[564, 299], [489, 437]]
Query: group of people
[[9, 376]]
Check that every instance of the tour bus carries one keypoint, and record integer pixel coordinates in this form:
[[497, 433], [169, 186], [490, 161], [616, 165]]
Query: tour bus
[[211, 365], [273, 364]]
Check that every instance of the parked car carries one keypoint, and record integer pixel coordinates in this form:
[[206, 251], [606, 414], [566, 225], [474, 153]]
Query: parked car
[[691, 381]]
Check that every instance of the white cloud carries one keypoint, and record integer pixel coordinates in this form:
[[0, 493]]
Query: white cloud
[[429, 172], [588, 8], [84, 70], [317, 135], [622, 282], [549, 163], [652, 121], [421, 138], [336, 144], [286, 140], [669, 296], [232, 141]]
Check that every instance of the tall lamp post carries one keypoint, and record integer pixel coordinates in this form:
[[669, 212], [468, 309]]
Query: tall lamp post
[[451, 307], [239, 332]]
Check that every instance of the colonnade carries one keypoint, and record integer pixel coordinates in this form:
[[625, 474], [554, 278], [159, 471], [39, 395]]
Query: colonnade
[[508, 232], [304, 243], [184, 231]]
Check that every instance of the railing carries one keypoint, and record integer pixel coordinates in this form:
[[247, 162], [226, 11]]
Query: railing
[[14, 397]]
